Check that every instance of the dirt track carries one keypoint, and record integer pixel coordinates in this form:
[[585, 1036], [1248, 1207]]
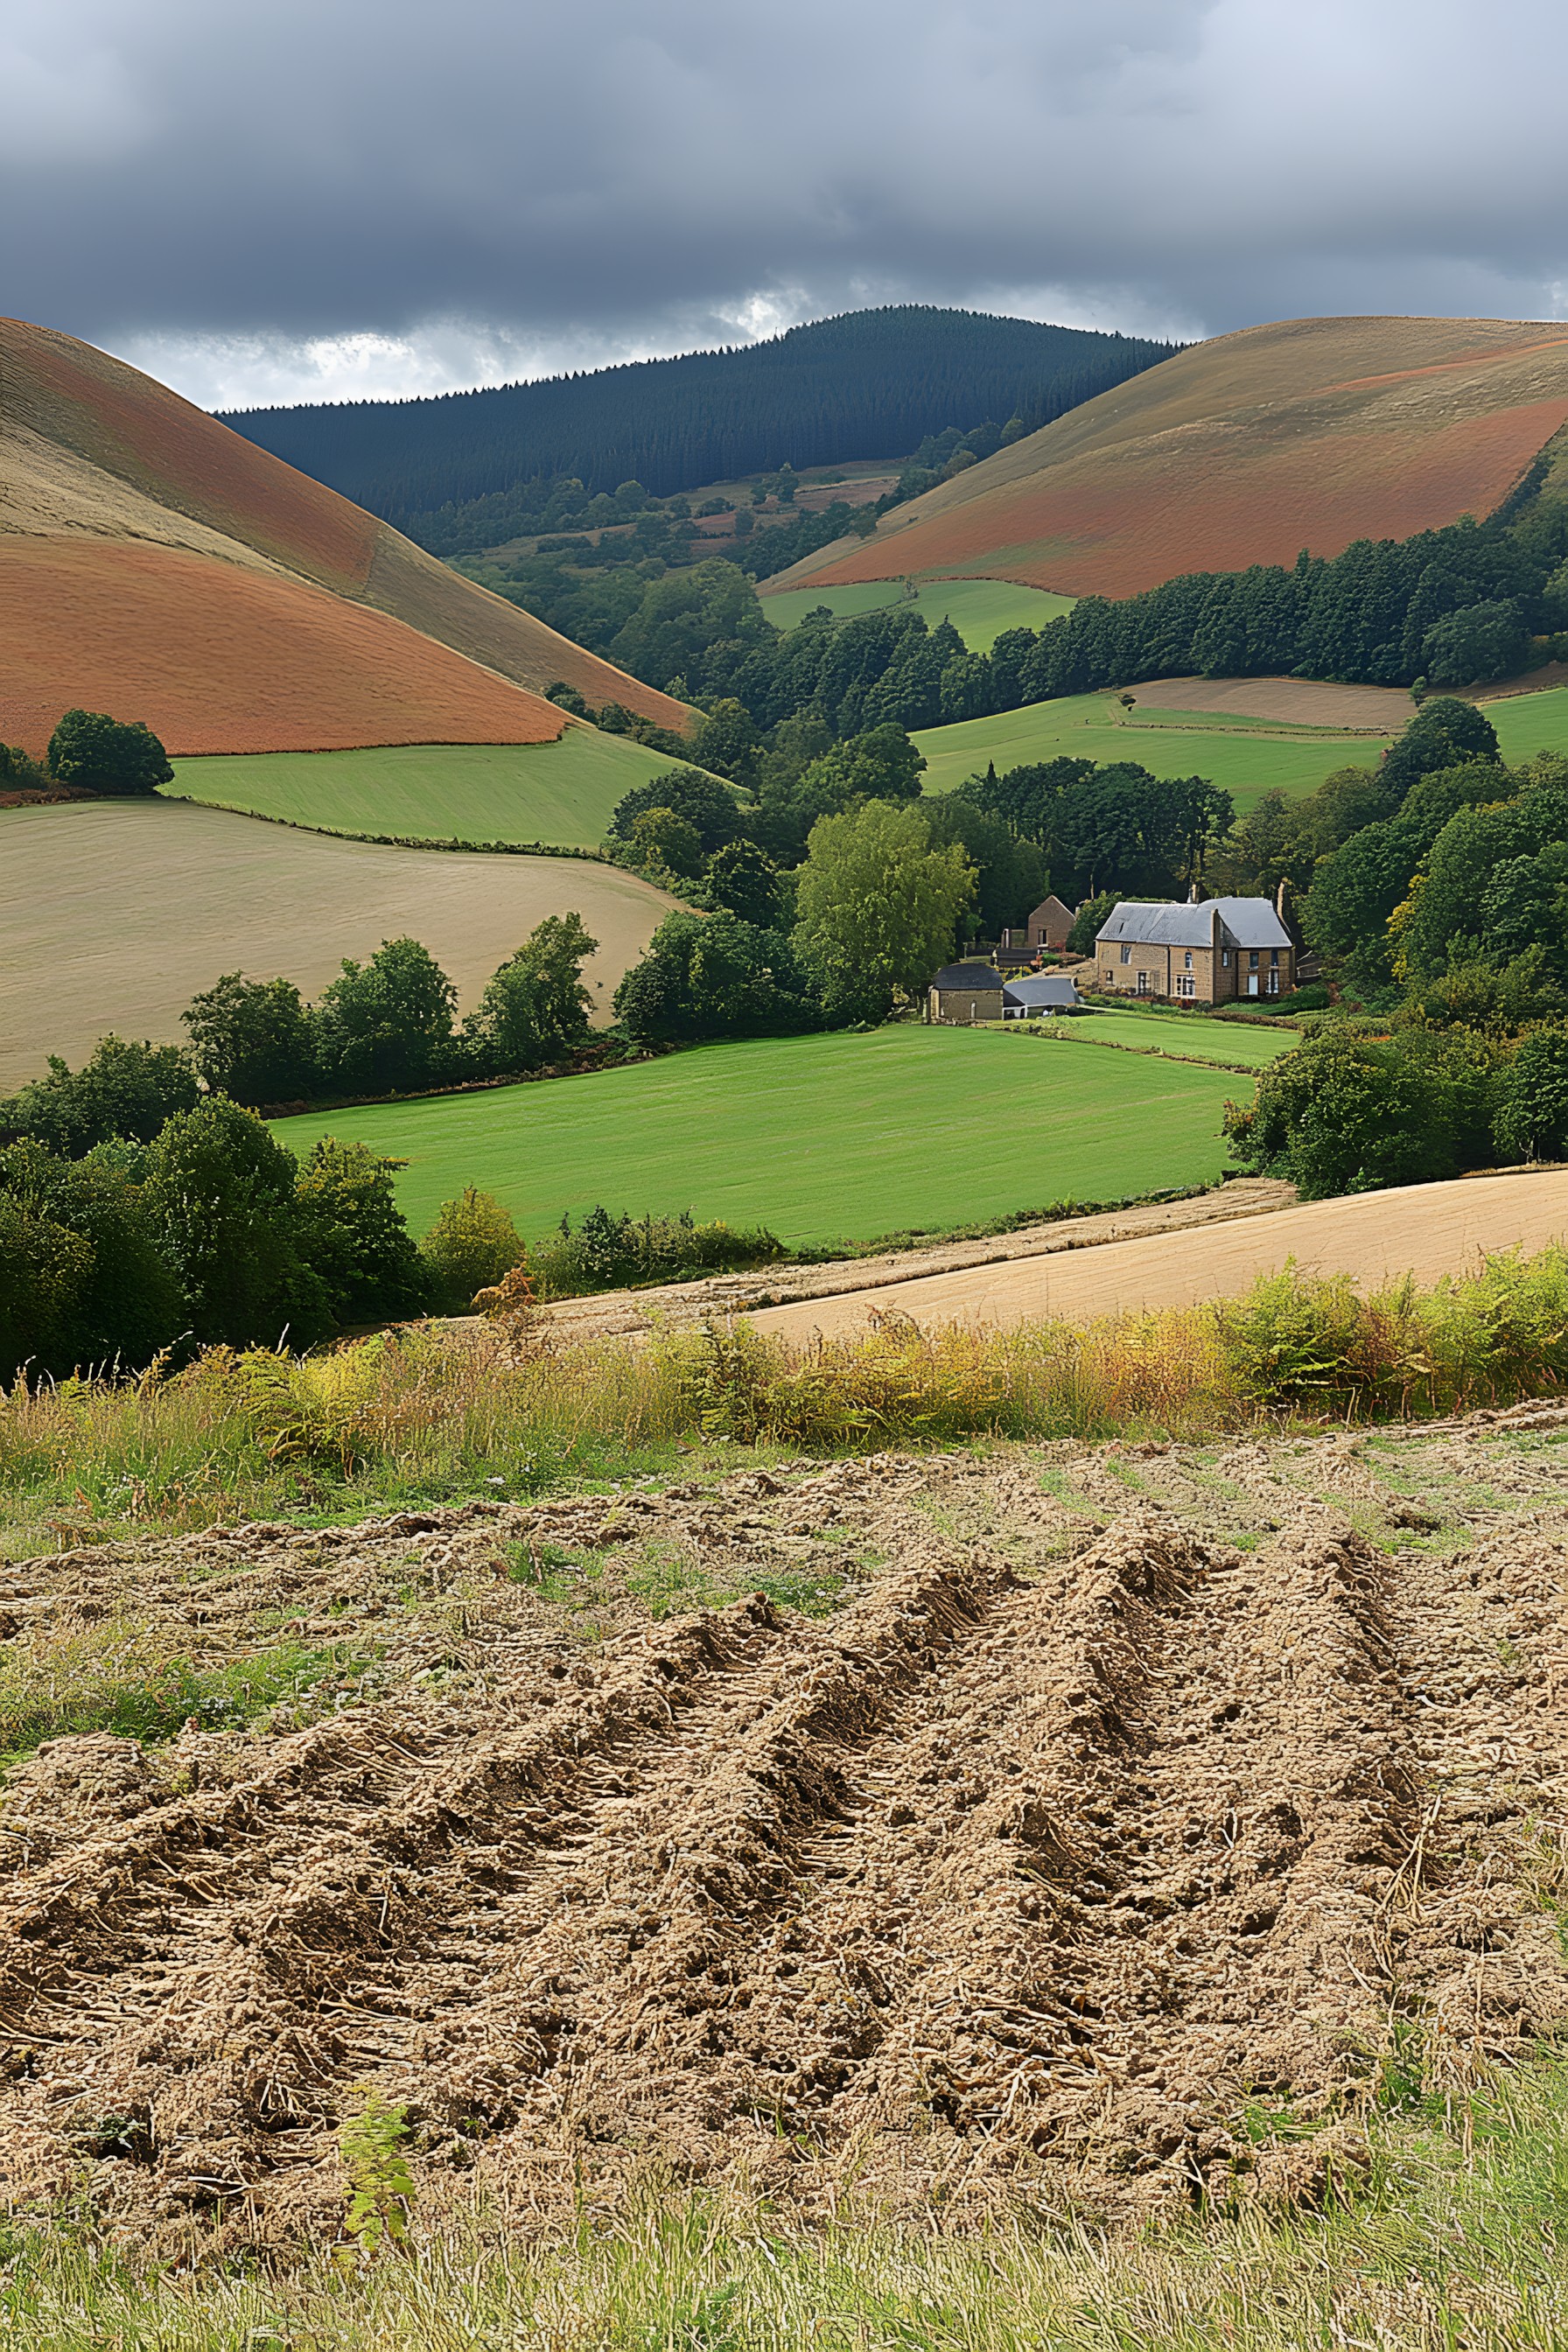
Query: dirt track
[[1095, 1851], [623, 1314], [1424, 1230]]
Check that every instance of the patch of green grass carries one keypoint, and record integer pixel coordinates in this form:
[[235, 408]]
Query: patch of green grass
[[979, 609], [1453, 2238], [1246, 757], [1528, 723], [1187, 1035], [560, 794], [104, 1681], [818, 1138]]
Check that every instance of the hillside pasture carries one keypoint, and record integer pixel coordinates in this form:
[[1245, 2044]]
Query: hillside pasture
[[979, 609], [560, 793], [821, 1138], [114, 914], [1246, 757]]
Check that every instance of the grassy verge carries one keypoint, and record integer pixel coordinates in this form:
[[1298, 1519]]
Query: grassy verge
[[411, 1416], [1455, 2240]]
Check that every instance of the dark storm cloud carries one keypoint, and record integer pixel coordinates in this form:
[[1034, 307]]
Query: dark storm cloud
[[487, 178]]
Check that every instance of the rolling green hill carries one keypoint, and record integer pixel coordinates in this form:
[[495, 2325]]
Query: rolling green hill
[[811, 1136], [1245, 756], [559, 795]]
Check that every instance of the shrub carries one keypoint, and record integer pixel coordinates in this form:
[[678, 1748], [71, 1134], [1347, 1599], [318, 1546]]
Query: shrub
[[608, 1252], [472, 1247], [1346, 1113], [106, 755], [122, 1089]]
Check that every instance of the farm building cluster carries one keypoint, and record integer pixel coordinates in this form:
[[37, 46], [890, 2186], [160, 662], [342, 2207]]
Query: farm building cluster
[[1198, 951]]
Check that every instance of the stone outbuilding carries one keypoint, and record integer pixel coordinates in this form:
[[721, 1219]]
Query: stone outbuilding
[[962, 994], [1209, 951], [1036, 993], [1044, 932]]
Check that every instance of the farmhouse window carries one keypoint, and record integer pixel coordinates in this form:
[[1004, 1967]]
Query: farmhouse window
[[1188, 965], [1185, 987], [1273, 984], [1126, 955], [1252, 960], [1273, 955], [1142, 983], [1225, 958]]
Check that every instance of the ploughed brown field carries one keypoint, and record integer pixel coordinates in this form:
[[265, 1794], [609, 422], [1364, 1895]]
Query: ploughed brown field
[[1243, 451], [1086, 1835], [101, 468]]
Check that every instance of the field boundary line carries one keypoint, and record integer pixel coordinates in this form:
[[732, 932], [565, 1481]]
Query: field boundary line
[[402, 840]]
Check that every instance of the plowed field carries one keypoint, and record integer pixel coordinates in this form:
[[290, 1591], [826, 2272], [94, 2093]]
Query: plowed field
[[1098, 1847], [216, 657]]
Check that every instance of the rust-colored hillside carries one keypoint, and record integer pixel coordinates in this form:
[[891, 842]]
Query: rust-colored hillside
[[1243, 451], [155, 563]]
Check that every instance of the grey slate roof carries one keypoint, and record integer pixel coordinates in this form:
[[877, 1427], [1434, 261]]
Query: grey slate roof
[[1040, 987], [1171, 923], [967, 975]]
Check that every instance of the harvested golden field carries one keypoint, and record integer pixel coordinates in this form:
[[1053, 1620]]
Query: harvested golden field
[[113, 914], [1243, 451], [217, 658], [94, 453], [1424, 1231], [983, 1837]]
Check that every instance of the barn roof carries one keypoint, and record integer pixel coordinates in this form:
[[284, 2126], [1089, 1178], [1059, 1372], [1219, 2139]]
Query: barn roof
[[966, 975], [1041, 988]]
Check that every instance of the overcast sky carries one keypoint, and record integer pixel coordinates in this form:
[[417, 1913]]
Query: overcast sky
[[295, 199]]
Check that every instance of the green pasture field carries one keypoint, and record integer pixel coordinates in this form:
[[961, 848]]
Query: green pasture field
[[1528, 723], [560, 794], [1245, 756], [1188, 1035], [979, 609], [821, 1139]]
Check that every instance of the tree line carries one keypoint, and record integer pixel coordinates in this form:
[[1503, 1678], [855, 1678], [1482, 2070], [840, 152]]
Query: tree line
[[843, 388]]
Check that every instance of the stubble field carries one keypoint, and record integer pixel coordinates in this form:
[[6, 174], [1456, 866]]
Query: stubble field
[[114, 915]]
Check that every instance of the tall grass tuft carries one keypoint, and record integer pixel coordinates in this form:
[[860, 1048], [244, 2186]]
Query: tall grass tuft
[[416, 1415]]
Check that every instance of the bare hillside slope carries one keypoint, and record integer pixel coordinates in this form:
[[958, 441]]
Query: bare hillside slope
[[101, 467], [1243, 450]]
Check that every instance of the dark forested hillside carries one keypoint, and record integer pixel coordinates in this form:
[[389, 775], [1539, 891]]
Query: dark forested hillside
[[870, 383]]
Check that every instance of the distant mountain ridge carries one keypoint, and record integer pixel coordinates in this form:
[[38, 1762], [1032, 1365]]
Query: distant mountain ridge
[[1305, 434], [156, 565], [867, 383]]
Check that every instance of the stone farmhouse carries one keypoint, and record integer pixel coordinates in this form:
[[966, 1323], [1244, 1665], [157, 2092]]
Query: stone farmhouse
[[1212, 951]]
